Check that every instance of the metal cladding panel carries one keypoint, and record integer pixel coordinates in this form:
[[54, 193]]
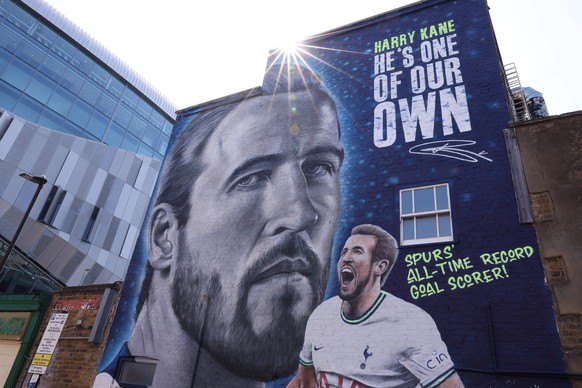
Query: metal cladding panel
[[81, 206]]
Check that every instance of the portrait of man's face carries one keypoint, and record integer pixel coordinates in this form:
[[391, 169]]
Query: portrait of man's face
[[255, 252], [355, 266]]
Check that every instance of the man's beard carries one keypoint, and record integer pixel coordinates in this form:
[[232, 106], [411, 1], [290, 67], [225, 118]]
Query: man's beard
[[358, 289], [198, 301], [354, 294]]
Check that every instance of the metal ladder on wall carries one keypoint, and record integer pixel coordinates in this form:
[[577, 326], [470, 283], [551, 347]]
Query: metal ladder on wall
[[519, 110]]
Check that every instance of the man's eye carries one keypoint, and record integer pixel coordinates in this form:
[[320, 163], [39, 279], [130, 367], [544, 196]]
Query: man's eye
[[251, 181], [316, 169]]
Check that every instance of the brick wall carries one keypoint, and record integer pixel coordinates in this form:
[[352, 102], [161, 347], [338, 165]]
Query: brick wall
[[75, 359], [550, 152]]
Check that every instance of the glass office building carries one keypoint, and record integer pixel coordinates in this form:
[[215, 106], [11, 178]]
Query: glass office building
[[73, 112], [54, 74]]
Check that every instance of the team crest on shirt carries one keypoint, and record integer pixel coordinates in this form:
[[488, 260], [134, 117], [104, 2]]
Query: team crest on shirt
[[366, 355]]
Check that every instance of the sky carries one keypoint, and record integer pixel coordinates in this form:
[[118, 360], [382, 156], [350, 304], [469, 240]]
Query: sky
[[194, 51]]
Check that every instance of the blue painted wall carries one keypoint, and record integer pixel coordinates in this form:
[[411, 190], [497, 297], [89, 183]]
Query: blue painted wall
[[493, 309]]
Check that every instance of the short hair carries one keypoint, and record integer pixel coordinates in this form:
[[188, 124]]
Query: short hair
[[184, 164], [184, 159], [386, 246]]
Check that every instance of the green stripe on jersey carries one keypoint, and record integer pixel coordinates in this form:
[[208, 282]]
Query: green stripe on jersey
[[368, 313]]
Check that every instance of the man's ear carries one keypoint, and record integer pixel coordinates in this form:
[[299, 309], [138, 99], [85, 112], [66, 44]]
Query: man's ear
[[163, 238], [381, 266]]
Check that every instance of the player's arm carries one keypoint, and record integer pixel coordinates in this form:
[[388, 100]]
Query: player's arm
[[453, 381], [305, 378]]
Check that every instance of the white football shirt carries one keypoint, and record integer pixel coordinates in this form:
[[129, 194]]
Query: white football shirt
[[394, 344]]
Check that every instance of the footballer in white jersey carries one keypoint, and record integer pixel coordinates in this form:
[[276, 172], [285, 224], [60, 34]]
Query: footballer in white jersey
[[366, 337], [393, 344]]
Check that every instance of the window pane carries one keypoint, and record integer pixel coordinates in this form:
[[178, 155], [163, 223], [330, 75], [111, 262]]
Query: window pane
[[115, 87], [9, 38], [40, 88], [162, 144], [82, 62], [408, 229], [157, 119], [50, 119], [130, 98], [424, 200], [20, 18], [442, 197], [18, 74], [130, 143], [122, 116], [151, 135], [31, 54], [91, 137], [61, 101], [106, 105], [27, 108], [80, 113], [44, 35], [114, 135], [4, 59], [137, 126], [406, 198], [426, 227], [54, 42], [98, 124], [8, 96], [167, 128], [63, 49], [52, 67], [72, 129], [145, 150], [72, 81], [99, 75], [90, 93], [444, 225], [144, 109]]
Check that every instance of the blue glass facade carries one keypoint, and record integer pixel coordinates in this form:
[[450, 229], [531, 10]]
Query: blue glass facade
[[53, 74]]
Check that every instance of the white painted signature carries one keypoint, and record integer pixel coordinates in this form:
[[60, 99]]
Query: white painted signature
[[450, 149]]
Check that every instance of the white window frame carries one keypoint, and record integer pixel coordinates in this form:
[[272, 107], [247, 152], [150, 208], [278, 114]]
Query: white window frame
[[415, 215]]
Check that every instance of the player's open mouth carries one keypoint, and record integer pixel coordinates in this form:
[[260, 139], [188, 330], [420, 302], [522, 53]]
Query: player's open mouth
[[347, 275]]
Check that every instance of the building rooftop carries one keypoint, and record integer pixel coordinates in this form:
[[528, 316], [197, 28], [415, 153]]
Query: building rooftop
[[60, 21]]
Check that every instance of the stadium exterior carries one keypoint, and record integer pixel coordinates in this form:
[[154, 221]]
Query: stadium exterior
[[89, 133], [75, 113]]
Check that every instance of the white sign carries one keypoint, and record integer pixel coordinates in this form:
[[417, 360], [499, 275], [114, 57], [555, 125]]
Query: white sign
[[51, 335], [49, 340], [36, 369]]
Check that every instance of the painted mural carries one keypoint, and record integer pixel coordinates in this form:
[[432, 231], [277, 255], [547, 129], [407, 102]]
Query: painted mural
[[394, 123]]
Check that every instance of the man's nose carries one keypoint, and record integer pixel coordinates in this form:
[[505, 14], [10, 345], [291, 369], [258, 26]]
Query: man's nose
[[290, 205], [346, 258]]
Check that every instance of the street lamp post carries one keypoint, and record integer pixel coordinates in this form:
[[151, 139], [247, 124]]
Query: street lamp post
[[40, 181]]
